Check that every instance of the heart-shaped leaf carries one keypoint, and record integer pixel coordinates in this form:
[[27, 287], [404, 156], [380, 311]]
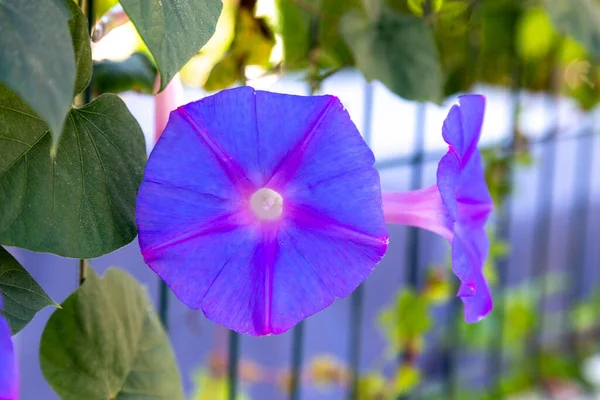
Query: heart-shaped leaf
[[108, 343], [397, 49], [81, 203], [37, 59], [173, 30], [22, 295]]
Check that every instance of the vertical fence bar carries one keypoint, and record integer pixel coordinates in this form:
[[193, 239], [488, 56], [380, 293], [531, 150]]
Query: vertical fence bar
[[356, 305], [504, 223], [579, 226], [451, 339], [297, 353], [298, 331], [232, 364], [355, 327], [412, 241], [541, 244]]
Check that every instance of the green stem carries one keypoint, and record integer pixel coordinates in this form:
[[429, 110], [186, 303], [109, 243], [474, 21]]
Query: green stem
[[82, 271], [88, 9], [163, 306]]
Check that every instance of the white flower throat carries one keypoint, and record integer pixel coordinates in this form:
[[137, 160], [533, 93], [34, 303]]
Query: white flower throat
[[266, 204]]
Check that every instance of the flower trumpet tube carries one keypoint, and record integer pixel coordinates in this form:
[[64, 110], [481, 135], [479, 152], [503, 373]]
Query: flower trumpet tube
[[457, 207]]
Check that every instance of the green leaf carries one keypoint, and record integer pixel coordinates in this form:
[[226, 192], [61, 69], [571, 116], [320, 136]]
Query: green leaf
[[437, 288], [293, 26], [135, 73], [297, 20], [78, 26], [406, 320], [371, 386], [36, 57], [398, 50], [407, 379], [535, 34], [452, 29], [22, 295], [107, 343], [253, 40], [586, 312], [81, 203], [520, 320], [252, 45], [103, 6], [331, 41], [224, 74], [579, 19], [498, 21], [211, 387], [173, 30], [416, 6]]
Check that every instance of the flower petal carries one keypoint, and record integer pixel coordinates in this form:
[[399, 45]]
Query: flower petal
[[335, 175], [452, 131], [239, 297], [167, 213], [448, 179], [472, 194], [286, 125], [8, 369], [315, 267], [249, 128], [472, 109], [478, 305], [462, 127], [182, 159], [191, 266], [469, 251]]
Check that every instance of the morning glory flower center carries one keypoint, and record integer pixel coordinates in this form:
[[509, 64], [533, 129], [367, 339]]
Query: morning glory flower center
[[266, 204]]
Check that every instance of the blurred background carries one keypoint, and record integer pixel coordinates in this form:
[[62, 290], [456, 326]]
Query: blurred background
[[398, 66]]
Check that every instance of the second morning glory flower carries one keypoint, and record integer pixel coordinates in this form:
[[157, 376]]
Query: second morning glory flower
[[458, 206], [9, 385], [261, 208]]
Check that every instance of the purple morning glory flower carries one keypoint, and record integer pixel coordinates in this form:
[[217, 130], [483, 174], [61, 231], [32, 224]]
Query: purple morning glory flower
[[261, 208], [458, 206], [9, 385]]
